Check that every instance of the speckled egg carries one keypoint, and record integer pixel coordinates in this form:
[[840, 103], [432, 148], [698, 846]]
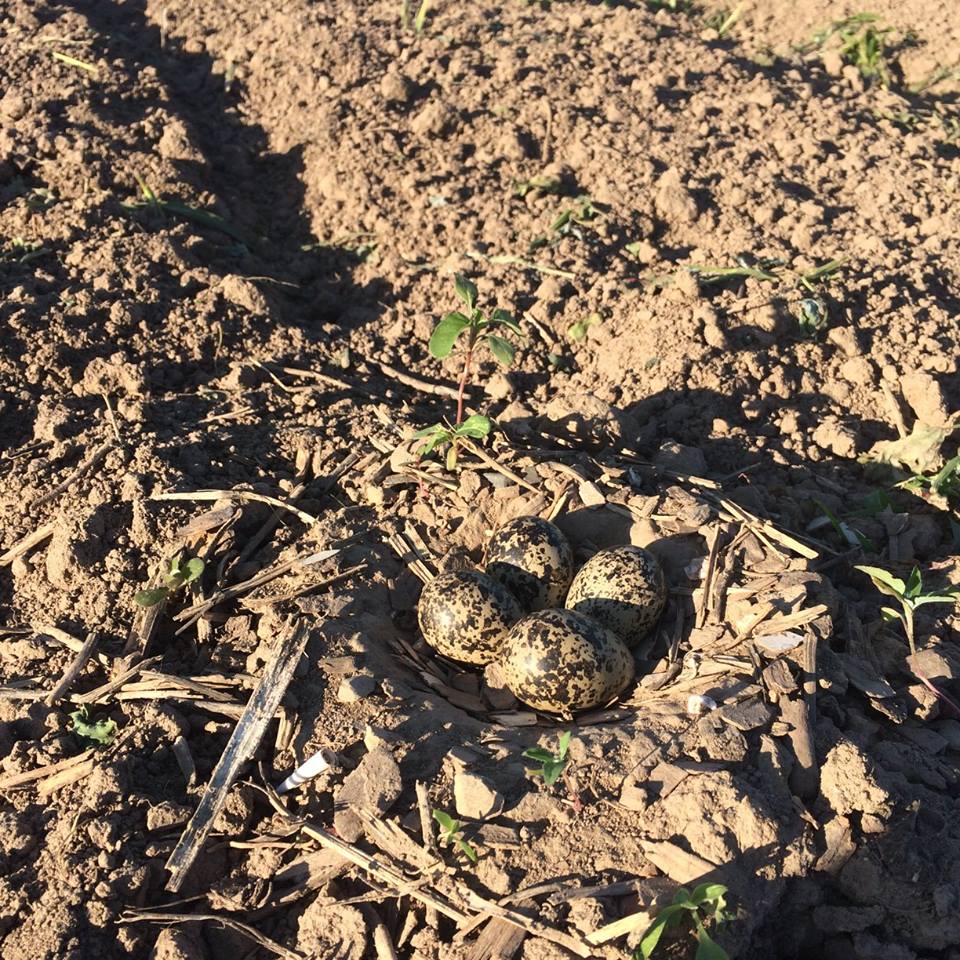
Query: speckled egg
[[533, 560], [624, 589], [561, 661], [465, 615]]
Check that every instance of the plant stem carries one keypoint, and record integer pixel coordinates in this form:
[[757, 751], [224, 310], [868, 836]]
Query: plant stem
[[465, 376], [908, 627]]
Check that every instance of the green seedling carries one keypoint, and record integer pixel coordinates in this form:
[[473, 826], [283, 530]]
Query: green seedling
[[724, 20], [553, 764], [477, 326], [945, 483], [452, 834], [578, 330], [910, 595], [475, 427], [176, 578], [92, 731], [848, 533], [204, 218], [545, 184], [22, 251], [706, 906], [862, 42]]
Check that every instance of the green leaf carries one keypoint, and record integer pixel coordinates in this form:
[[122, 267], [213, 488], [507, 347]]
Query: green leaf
[[193, 571], [937, 598], [476, 426], [445, 334], [538, 754], [506, 318], [918, 451], [446, 821], [890, 614], [914, 584], [468, 850], [667, 917], [707, 948], [502, 349], [431, 430], [552, 770], [96, 731], [577, 331], [709, 893], [564, 745], [884, 581], [466, 290], [451, 460], [151, 597]]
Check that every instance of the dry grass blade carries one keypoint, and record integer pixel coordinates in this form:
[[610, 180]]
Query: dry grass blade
[[14, 780], [25, 545], [244, 929], [242, 495], [73, 670], [245, 738], [482, 455], [85, 467]]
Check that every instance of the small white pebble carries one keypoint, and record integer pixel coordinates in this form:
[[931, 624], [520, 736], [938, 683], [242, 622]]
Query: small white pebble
[[697, 703]]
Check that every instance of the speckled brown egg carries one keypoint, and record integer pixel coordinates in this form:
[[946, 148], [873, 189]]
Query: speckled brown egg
[[465, 615], [624, 589], [533, 560], [561, 662]]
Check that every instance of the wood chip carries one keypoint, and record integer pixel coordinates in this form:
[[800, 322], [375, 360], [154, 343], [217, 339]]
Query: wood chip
[[677, 863]]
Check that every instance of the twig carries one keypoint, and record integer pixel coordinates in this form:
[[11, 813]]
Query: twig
[[409, 380], [244, 929], [535, 927], [381, 870], [25, 545], [244, 740], [73, 670], [85, 466], [480, 454], [228, 593], [243, 495], [429, 841], [20, 779], [382, 943]]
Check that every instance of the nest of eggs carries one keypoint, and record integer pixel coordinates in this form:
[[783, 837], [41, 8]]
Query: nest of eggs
[[561, 637]]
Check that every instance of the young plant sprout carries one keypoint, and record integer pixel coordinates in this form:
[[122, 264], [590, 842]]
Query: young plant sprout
[[909, 595], [452, 834], [477, 327], [177, 576], [553, 763], [706, 905]]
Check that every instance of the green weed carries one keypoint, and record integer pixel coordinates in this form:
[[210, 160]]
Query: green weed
[[22, 251], [92, 731], [178, 575], [452, 834], [724, 20], [203, 218], [553, 764], [477, 327], [706, 906], [862, 41], [910, 595]]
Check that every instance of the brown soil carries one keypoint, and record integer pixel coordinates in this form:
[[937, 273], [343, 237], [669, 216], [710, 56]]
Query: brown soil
[[354, 167]]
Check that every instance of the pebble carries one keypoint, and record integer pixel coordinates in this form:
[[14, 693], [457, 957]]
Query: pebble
[[374, 786], [475, 797], [926, 397], [634, 796], [352, 689]]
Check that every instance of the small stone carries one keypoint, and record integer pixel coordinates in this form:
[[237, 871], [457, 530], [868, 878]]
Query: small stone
[[374, 737], [926, 397], [460, 758], [590, 495], [499, 387], [836, 438], [634, 796], [167, 814], [681, 459], [475, 797], [374, 786], [748, 715], [395, 87], [352, 689]]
